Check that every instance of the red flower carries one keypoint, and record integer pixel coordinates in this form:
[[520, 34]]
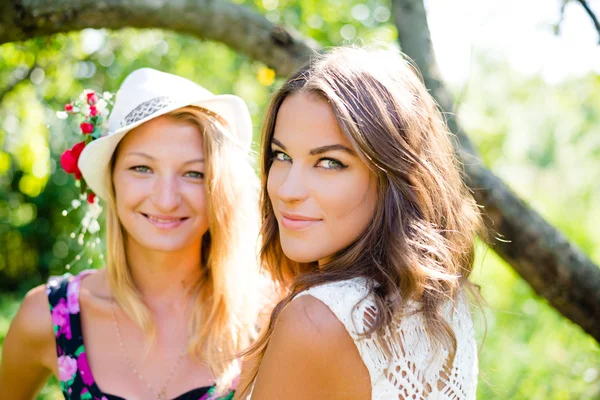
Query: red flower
[[93, 111], [92, 98], [69, 159], [86, 127], [90, 197], [69, 107]]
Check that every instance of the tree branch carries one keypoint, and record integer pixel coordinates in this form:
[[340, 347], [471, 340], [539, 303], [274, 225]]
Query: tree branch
[[561, 17], [555, 268], [236, 26], [536, 250], [590, 12]]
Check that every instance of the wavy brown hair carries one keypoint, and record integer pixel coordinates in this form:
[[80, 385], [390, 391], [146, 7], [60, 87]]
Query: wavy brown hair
[[420, 243]]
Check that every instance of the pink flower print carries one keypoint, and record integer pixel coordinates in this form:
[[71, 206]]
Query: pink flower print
[[73, 296], [84, 369], [67, 367], [60, 318]]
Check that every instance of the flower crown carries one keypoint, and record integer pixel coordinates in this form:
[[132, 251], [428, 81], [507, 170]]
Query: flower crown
[[94, 110]]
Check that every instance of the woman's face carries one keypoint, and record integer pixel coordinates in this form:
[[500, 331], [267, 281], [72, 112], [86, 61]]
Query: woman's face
[[322, 193], [159, 185]]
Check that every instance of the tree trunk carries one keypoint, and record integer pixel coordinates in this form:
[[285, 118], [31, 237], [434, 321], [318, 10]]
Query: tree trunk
[[556, 269]]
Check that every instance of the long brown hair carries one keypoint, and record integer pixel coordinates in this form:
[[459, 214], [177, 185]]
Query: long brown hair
[[419, 245]]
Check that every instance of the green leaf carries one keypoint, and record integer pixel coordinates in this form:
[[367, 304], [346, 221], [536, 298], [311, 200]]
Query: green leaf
[[80, 349], [86, 395]]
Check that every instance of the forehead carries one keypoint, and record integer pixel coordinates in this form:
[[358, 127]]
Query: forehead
[[164, 137], [306, 121]]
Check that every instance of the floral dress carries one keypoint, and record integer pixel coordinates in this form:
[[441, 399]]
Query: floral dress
[[76, 379]]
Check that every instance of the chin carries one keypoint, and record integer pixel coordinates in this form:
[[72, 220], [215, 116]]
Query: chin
[[162, 244], [301, 254]]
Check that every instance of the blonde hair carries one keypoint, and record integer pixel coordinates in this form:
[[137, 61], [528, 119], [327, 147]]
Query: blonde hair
[[419, 245], [225, 306]]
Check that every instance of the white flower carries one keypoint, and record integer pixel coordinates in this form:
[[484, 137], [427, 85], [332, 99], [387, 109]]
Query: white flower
[[107, 95], [101, 105], [83, 95], [85, 222], [61, 115], [85, 110], [94, 226], [75, 203], [95, 209]]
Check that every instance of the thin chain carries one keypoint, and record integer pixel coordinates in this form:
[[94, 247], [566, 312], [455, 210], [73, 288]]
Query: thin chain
[[160, 394]]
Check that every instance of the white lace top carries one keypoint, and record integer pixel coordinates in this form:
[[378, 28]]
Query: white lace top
[[415, 371]]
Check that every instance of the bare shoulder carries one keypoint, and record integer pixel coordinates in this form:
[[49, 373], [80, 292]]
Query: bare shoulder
[[311, 355], [33, 321], [31, 333], [28, 351], [96, 284], [308, 319], [94, 294]]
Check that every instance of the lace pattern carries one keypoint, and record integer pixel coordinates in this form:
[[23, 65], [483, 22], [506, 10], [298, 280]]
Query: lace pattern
[[415, 370], [146, 109]]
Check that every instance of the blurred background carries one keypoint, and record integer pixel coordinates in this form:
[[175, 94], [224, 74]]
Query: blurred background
[[525, 77]]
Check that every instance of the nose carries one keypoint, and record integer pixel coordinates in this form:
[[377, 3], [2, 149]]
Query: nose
[[166, 195], [294, 186]]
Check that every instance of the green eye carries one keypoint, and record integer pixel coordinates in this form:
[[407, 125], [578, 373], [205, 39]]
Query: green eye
[[330, 163], [281, 156], [195, 174], [140, 168]]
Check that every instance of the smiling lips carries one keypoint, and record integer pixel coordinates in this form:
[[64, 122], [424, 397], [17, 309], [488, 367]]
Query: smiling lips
[[297, 222], [165, 222]]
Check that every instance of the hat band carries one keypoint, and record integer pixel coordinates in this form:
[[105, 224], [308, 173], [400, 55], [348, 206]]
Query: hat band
[[146, 109]]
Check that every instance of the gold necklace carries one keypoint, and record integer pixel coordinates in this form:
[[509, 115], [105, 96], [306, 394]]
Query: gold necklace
[[160, 394]]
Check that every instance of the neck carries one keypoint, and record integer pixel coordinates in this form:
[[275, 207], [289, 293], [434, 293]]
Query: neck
[[163, 278]]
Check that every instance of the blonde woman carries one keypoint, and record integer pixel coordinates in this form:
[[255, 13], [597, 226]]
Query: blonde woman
[[367, 222], [176, 302]]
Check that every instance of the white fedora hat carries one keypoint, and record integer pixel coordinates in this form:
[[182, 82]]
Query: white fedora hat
[[146, 94]]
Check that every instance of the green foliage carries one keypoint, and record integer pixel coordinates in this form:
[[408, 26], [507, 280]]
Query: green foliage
[[537, 137], [543, 141]]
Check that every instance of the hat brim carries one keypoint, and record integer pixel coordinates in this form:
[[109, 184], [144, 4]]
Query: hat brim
[[94, 162]]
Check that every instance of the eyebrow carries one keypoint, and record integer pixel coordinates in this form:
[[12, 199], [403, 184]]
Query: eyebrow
[[322, 149], [136, 153]]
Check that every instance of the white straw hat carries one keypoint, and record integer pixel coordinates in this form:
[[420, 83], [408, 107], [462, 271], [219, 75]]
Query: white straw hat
[[146, 94]]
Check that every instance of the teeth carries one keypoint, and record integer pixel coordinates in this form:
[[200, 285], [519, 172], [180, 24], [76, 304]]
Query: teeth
[[162, 220]]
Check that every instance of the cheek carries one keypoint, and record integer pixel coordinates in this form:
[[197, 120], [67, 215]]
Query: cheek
[[349, 207], [273, 183], [197, 197], [130, 191], [344, 196]]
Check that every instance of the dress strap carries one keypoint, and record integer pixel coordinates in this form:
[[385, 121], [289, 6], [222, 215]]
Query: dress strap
[[56, 289], [73, 368]]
